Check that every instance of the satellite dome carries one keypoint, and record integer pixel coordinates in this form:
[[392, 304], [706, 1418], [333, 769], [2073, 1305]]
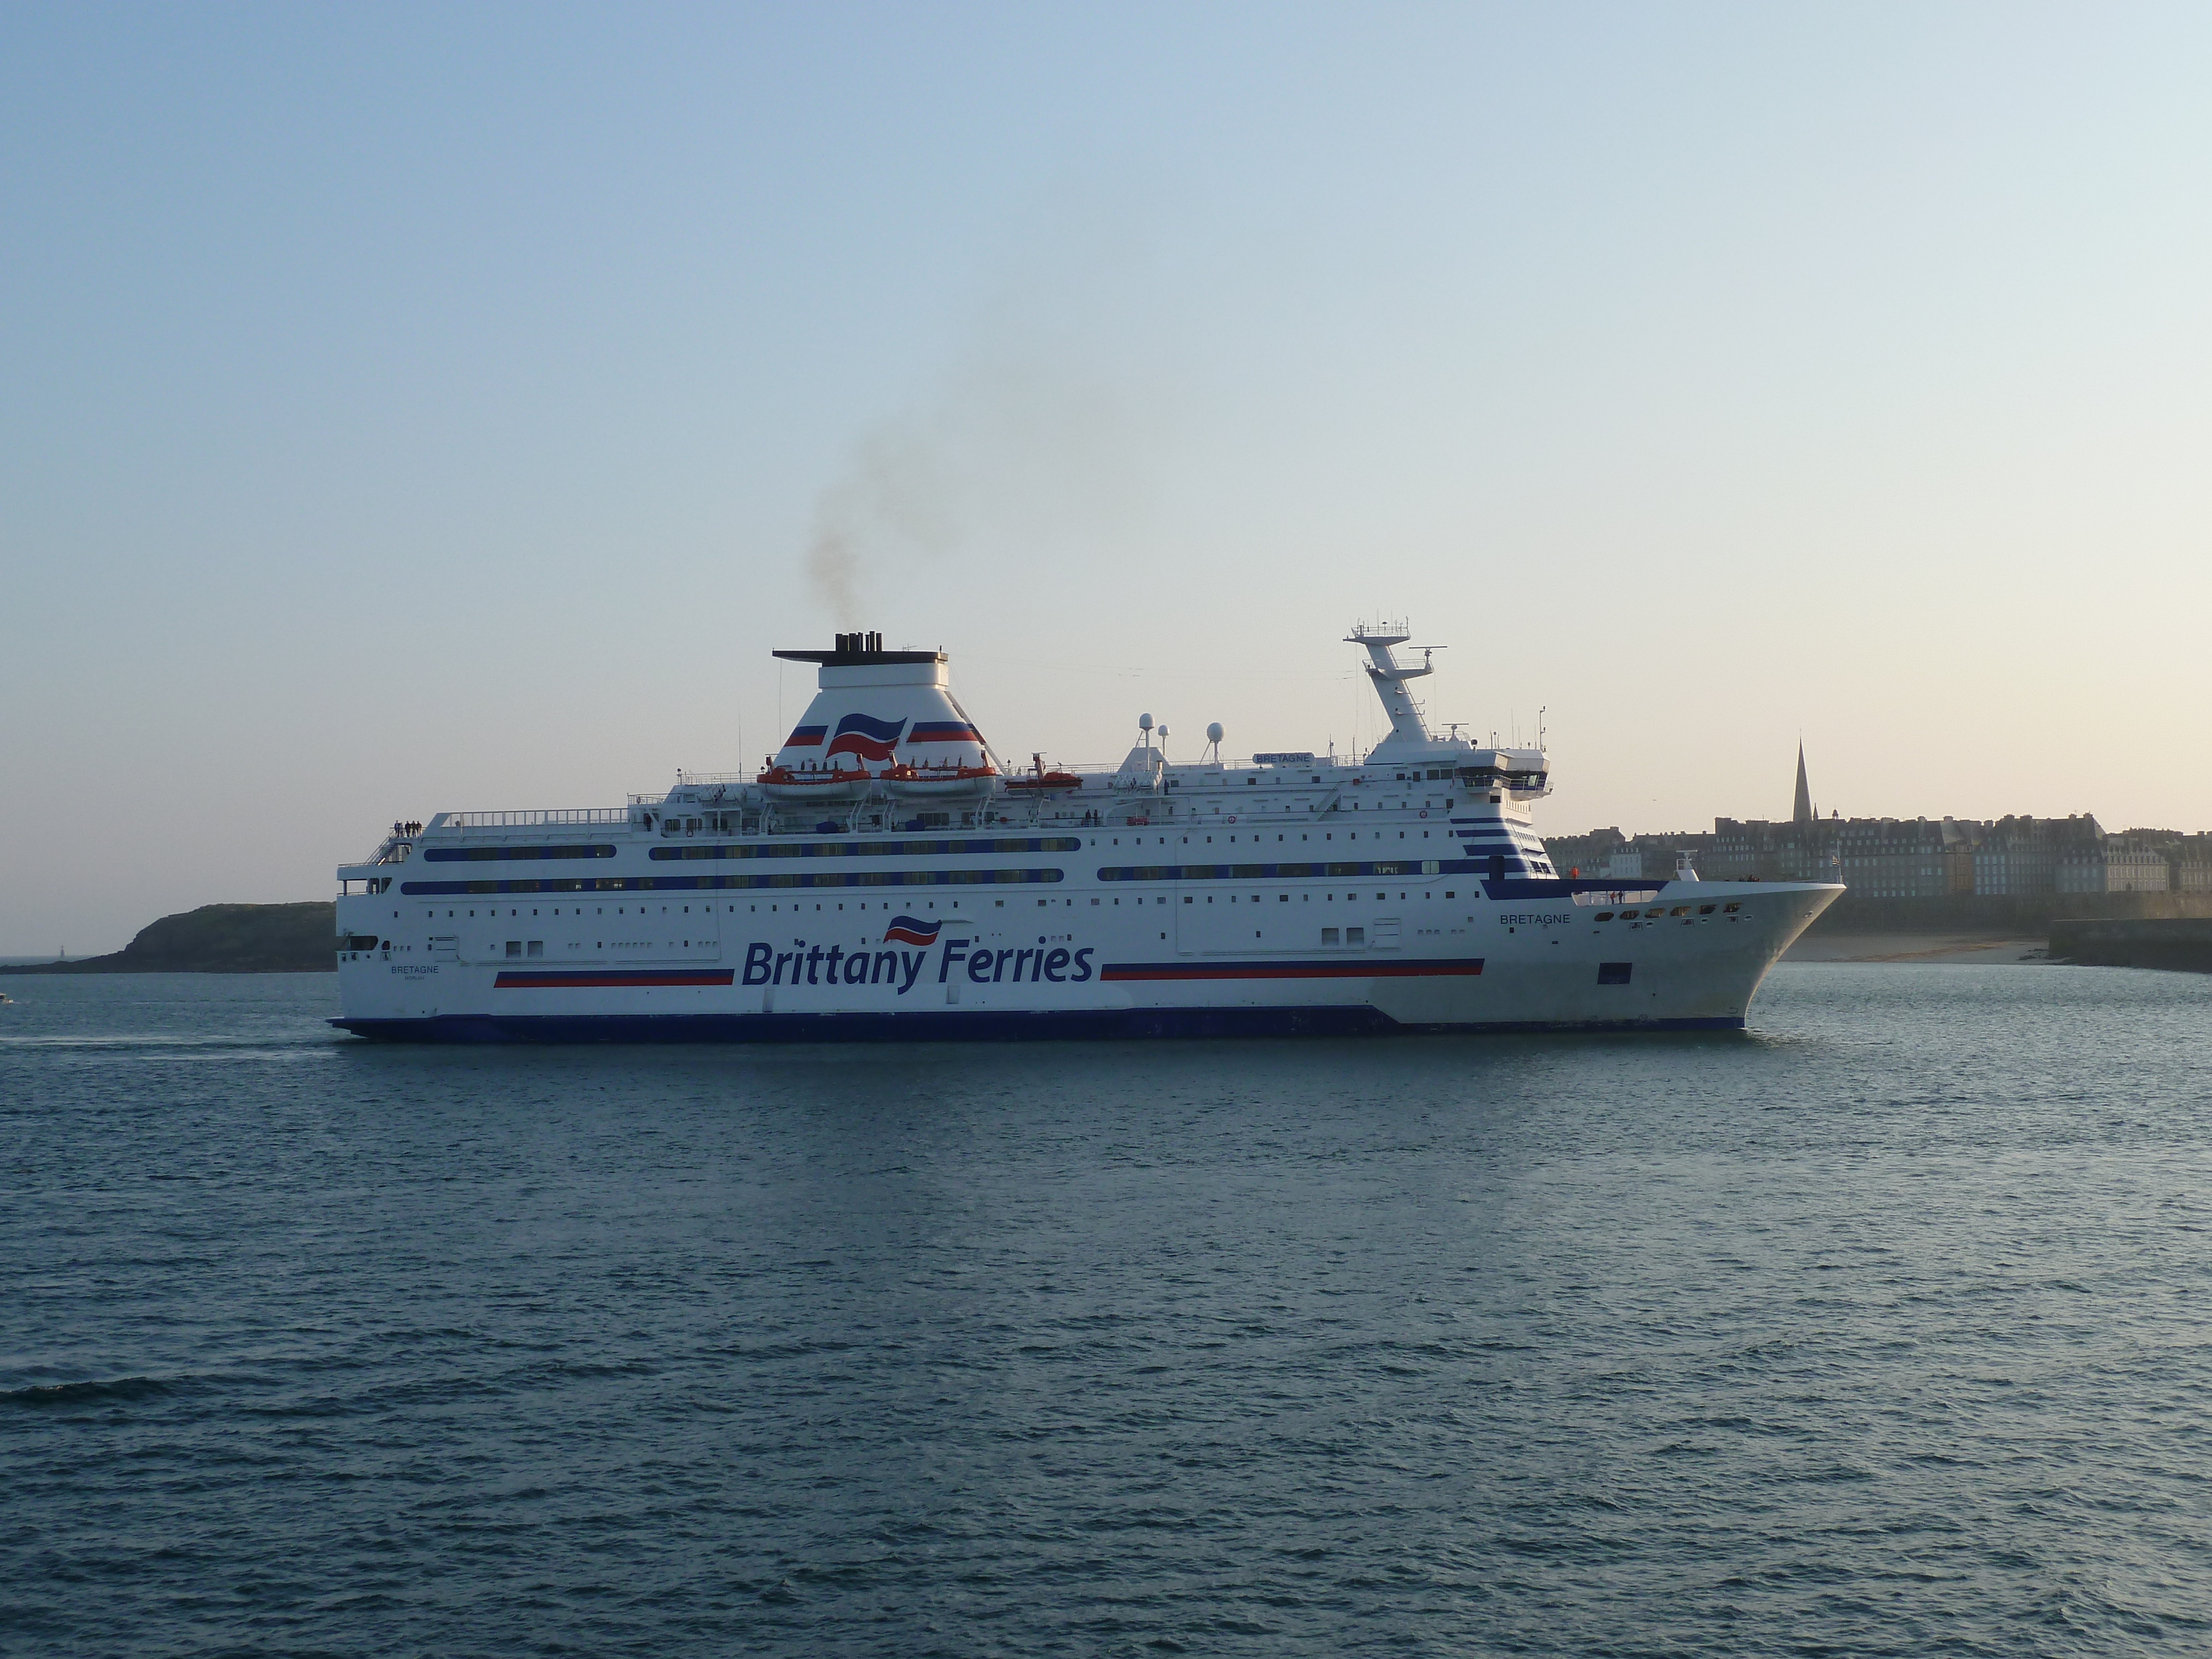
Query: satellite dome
[[1213, 732], [1144, 722]]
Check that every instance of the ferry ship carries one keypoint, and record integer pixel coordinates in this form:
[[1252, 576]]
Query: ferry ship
[[886, 876]]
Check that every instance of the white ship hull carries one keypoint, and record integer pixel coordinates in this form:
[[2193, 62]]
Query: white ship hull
[[1402, 892]]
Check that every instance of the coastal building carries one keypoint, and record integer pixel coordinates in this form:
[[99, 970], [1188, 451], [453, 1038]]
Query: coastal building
[[1760, 851], [2189, 863], [2015, 857], [1906, 858], [1615, 857], [2024, 857], [2132, 865]]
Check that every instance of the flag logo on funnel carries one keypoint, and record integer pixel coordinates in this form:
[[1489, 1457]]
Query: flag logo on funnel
[[907, 930], [868, 738]]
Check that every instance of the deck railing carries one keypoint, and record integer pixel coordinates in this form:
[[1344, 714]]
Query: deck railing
[[533, 820]]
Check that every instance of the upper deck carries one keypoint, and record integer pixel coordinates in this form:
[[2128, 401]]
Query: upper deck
[[862, 745]]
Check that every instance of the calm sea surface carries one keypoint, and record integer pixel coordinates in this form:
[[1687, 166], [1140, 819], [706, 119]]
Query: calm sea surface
[[1885, 1329]]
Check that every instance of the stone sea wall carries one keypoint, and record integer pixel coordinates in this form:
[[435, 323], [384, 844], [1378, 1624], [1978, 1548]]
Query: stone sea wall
[[2164, 942]]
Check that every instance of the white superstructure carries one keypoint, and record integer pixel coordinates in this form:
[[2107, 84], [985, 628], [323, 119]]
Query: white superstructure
[[886, 876]]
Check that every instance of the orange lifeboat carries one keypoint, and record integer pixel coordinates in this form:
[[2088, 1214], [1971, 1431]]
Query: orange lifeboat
[[785, 783], [1038, 780], [906, 781]]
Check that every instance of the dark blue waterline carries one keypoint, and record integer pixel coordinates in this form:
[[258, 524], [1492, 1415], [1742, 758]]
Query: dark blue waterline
[[954, 1026]]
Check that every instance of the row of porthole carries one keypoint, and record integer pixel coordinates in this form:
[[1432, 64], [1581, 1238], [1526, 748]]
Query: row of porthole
[[1285, 898], [1662, 910], [1326, 835]]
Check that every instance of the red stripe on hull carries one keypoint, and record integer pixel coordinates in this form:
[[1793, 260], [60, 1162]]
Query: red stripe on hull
[[1135, 970], [589, 982]]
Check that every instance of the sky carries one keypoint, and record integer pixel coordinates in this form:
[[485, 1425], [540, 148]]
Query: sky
[[409, 408]]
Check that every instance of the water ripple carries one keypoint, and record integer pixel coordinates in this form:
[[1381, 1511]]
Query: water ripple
[[1877, 1330]]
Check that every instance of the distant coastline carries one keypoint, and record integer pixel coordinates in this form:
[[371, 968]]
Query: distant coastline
[[218, 938]]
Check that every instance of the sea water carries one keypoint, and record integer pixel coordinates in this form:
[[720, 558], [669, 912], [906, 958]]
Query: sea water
[[1880, 1328]]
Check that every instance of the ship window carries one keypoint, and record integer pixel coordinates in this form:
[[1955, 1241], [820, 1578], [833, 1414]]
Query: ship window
[[1328, 936], [1730, 909], [1355, 936], [1705, 909], [514, 947], [1602, 915], [538, 947]]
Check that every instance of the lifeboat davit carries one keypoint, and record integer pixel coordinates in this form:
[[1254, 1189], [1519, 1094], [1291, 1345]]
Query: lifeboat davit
[[783, 783], [906, 781]]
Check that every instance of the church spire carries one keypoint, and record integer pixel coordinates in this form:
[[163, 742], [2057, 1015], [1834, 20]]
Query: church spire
[[1802, 811]]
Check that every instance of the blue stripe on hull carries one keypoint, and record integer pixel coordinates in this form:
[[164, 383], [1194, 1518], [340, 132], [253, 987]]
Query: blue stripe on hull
[[978, 1027]]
